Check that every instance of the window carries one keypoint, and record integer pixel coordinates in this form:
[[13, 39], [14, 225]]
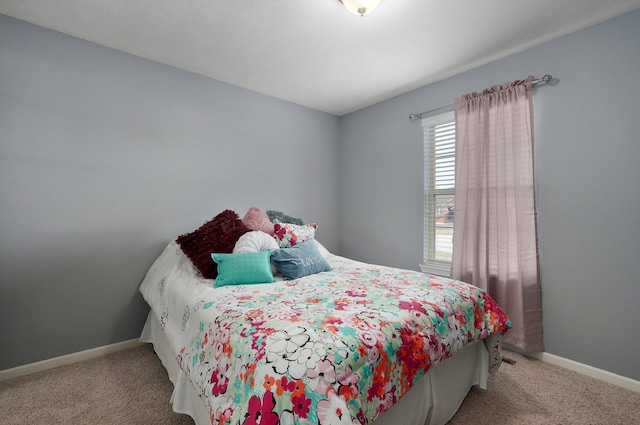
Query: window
[[439, 187]]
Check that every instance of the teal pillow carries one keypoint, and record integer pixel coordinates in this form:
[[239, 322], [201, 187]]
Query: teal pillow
[[301, 260], [243, 268]]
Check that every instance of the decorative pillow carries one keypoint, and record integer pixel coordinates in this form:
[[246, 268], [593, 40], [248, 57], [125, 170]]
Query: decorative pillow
[[301, 260], [289, 235], [216, 235], [255, 241], [257, 219], [243, 269], [279, 216]]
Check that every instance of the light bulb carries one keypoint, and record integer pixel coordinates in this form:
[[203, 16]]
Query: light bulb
[[360, 7]]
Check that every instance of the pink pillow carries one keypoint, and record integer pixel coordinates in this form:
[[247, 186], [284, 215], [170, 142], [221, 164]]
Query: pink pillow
[[257, 219]]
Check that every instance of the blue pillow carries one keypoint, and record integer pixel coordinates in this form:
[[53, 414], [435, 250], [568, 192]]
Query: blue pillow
[[300, 260], [243, 268]]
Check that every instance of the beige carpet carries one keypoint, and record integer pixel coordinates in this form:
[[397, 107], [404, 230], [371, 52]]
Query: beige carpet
[[535, 392], [131, 387]]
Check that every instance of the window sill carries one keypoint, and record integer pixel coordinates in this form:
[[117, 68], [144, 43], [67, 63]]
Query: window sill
[[437, 269]]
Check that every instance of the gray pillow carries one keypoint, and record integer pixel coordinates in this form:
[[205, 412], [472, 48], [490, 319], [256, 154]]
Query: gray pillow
[[298, 261], [279, 216]]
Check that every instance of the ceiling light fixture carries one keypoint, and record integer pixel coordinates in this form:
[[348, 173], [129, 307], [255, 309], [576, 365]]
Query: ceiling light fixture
[[360, 7]]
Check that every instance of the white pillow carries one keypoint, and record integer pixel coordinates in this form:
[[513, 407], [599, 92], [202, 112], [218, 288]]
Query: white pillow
[[255, 241]]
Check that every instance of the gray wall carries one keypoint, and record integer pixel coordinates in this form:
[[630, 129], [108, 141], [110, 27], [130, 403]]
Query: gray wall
[[105, 158], [587, 153]]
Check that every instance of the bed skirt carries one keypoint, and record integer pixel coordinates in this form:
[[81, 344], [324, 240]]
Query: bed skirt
[[432, 401]]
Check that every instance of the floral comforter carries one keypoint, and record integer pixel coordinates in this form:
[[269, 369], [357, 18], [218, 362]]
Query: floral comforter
[[338, 347]]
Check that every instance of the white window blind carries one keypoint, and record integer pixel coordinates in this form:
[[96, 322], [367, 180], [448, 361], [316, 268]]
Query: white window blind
[[439, 192]]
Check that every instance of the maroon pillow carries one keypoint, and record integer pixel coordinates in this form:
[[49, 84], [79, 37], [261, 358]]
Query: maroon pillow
[[219, 234]]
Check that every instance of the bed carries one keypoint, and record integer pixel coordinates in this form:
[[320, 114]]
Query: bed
[[354, 344]]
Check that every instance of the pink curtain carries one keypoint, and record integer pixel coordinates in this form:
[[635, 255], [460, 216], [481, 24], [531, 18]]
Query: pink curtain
[[495, 243]]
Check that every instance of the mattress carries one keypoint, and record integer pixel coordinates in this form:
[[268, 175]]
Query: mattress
[[358, 344], [434, 400]]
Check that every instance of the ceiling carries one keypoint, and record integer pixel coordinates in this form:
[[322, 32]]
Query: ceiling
[[313, 52]]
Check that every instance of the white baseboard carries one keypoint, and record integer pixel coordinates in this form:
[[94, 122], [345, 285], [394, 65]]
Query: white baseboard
[[603, 375], [67, 359]]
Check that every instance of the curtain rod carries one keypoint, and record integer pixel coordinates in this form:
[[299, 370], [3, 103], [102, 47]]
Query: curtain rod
[[544, 80]]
